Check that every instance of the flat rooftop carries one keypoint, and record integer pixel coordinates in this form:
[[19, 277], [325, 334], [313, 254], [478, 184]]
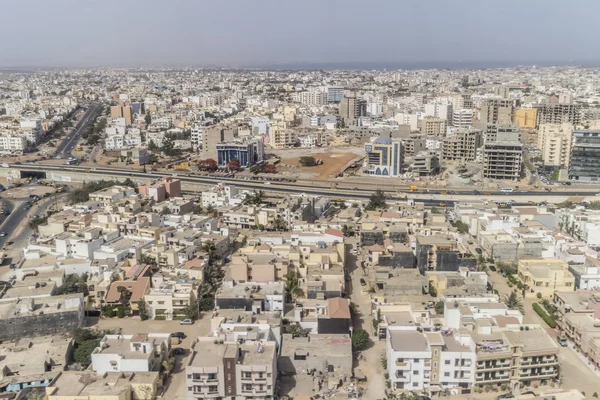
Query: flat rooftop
[[408, 341]]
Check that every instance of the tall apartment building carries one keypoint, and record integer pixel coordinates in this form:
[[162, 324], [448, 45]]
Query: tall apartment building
[[217, 369], [554, 141], [502, 91], [462, 101], [335, 94], [215, 135], [558, 114], [502, 152], [122, 111], [585, 156], [384, 158], [280, 136], [432, 126], [408, 119], [462, 145], [352, 107], [439, 110], [311, 98], [462, 118], [526, 118], [496, 111]]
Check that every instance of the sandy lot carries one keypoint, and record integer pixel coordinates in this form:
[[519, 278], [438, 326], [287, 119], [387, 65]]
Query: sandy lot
[[333, 161]]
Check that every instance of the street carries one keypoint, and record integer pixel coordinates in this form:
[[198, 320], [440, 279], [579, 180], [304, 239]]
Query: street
[[65, 147]]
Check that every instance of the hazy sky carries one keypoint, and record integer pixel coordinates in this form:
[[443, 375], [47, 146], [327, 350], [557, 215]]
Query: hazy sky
[[243, 32]]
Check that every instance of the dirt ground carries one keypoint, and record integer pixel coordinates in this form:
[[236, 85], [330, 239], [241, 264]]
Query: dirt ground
[[333, 161]]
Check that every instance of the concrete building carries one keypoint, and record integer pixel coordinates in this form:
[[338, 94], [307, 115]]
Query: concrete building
[[433, 126], [502, 152], [585, 156], [122, 111], [554, 141], [462, 145], [351, 108], [462, 118], [335, 94], [384, 158], [217, 369], [526, 118], [545, 276], [411, 120], [169, 299], [496, 111], [248, 152], [215, 135], [439, 110], [142, 352], [280, 136], [161, 190], [426, 163], [311, 98], [462, 101], [558, 114]]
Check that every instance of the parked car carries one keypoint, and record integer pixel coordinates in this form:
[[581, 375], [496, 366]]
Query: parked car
[[178, 335], [178, 351], [363, 282], [187, 321], [492, 268], [562, 341]]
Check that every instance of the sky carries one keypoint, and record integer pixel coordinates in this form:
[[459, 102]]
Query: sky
[[78, 33]]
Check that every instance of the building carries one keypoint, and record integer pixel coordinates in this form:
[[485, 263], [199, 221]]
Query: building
[[13, 143], [280, 136], [462, 145], [411, 120], [545, 276], [335, 94], [248, 152], [554, 141], [496, 111], [558, 114], [462, 101], [218, 369], [215, 135], [161, 190], [122, 111], [384, 158], [86, 385], [462, 118], [351, 108], [502, 152], [439, 110], [526, 118], [142, 352], [433, 126], [584, 164], [426, 163], [169, 299], [312, 98]]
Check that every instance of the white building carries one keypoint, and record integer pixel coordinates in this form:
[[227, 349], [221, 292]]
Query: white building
[[221, 195], [142, 352], [196, 136], [408, 119], [462, 118], [260, 125], [13, 143]]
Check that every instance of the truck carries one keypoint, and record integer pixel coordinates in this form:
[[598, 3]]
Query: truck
[[5, 165], [412, 188]]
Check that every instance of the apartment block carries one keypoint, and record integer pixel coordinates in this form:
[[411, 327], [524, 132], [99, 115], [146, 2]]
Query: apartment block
[[351, 108], [545, 276], [502, 153], [585, 156], [218, 369], [426, 163], [215, 135], [142, 352], [122, 111], [161, 190], [462, 145], [462, 118], [433, 126], [554, 141], [496, 111], [169, 298], [558, 114], [281, 136], [526, 118]]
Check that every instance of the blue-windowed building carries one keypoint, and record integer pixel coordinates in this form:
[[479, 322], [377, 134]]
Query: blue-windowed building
[[248, 152], [384, 158]]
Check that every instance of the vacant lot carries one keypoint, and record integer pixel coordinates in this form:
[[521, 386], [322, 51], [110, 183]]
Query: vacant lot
[[333, 162]]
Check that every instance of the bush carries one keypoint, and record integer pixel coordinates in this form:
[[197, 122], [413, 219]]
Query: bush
[[538, 295], [542, 313], [83, 352], [121, 312], [360, 339], [109, 312], [160, 318]]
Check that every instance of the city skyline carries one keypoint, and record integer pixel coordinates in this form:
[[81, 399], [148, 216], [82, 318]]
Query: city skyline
[[336, 35]]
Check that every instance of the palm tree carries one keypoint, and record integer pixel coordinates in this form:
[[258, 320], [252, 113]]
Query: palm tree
[[279, 224], [169, 365], [513, 302], [292, 286]]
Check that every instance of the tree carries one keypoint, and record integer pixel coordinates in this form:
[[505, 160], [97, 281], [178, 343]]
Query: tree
[[256, 198], [143, 311], [377, 200], [233, 165], [566, 204], [360, 339], [461, 227], [83, 352], [270, 169], [148, 119], [208, 164], [169, 365], [594, 205], [439, 308], [165, 211], [347, 230], [81, 335], [168, 147], [434, 210], [307, 161], [125, 295], [146, 259], [209, 209], [279, 224], [513, 302], [192, 310], [152, 146], [292, 286]]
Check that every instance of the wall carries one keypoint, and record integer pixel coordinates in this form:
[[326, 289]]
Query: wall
[[40, 325]]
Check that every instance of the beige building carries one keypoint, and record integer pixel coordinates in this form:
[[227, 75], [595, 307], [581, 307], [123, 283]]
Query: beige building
[[281, 136], [554, 141], [258, 267], [122, 111], [496, 111], [432, 126], [462, 145], [526, 118], [215, 135], [169, 299], [545, 276]]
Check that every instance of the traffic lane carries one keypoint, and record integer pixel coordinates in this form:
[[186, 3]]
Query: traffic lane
[[40, 208], [66, 145], [12, 222]]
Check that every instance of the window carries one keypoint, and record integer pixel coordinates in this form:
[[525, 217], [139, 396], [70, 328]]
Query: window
[[415, 384], [435, 364], [416, 360], [416, 372], [434, 377], [435, 352], [446, 374], [447, 362], [247, 375]]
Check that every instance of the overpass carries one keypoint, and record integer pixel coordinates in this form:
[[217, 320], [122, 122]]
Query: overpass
[[196, 183]]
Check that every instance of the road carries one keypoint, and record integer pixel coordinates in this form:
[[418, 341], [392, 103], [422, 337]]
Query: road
[[65, 148]]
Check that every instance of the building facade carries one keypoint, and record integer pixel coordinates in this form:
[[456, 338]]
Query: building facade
[[384, 158]]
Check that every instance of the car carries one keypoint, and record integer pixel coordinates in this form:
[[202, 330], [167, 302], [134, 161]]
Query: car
[[506, 396], [528, 392], [478, 250], [562, 341], [354, 188], [178, 335], [187, 321], [492, 268], [9, 242], [363, 282], [3, 234], [178, 351], [12, 266]]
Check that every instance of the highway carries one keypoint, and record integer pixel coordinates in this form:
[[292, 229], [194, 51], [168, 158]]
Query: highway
[[351, 191], [11, 222], [65, 148]]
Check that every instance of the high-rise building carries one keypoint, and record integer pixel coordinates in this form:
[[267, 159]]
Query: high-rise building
[[462, 118], [280, 136], [462, 145], [585, 156], [352, 107], [554, 142], [335, 94], [558, 114], [408, 119], [526, 118], [438, 110], [502, 152], [432, 126], [462, 101], [248, 152], [215, 135], [122, 111], [311, 98], [384, 157], [496, 111], [502, 91]]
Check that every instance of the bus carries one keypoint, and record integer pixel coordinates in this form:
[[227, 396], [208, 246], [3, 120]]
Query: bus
[[72, 161], [507, 190]]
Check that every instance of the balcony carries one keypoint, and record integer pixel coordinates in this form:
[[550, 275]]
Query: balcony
[[492, 367], [402, 378], [403, 365]]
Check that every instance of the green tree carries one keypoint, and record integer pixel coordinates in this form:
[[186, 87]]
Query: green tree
[[377, 201], [513, 302], [209, 209], [143, 311], [594, 205], [461, 227], [439, 308], [83, 353], [434, 210], [566, 204], [307, 161], [81, 335], [292, 286], [169, 365], [168, 147], [148, 119], [192, 310], [360, 339], [347, 230], [152, 146], [279, 224]]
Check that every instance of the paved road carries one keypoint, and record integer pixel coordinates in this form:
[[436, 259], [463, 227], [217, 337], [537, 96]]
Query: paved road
[[11, 222], [65, 148]]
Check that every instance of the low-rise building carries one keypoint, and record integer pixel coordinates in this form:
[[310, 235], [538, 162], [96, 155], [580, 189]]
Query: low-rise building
[[142, 352], [545, 276]]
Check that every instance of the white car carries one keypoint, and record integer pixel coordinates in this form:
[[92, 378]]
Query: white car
[[187, 321]]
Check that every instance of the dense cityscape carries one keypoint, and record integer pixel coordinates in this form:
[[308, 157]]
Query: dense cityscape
[[219, 233]]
